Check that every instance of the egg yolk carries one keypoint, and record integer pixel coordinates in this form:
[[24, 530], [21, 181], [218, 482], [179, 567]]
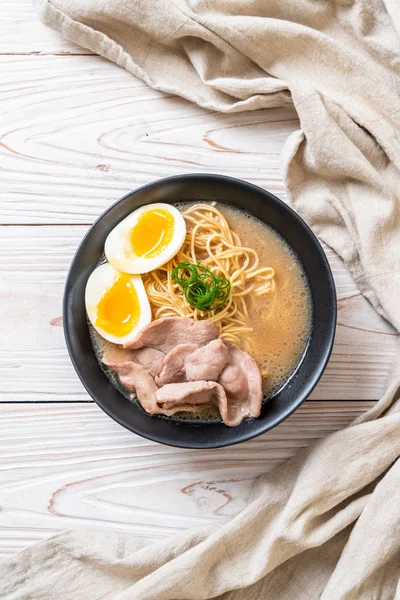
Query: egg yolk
[[119, 309], [152, 233]]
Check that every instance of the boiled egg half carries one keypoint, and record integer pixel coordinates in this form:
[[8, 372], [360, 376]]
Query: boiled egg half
[[116, 304], [146, 239]]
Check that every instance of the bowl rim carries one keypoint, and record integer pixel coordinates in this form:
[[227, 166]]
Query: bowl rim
[[329, 340]]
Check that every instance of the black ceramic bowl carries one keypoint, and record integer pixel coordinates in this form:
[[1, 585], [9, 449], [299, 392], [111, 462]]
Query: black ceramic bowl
[[265, 207]]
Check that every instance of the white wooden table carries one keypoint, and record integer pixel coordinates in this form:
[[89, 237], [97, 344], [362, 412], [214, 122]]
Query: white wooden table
[[76, 133]]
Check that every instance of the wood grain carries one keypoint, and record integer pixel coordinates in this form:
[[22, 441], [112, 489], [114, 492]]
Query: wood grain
[[79, 132], [21, 32], [69, 466], [34, 364]]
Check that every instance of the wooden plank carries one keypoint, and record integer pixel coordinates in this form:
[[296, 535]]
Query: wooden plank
[[77, 133], [21, 32], [34, 364], [82, 470]]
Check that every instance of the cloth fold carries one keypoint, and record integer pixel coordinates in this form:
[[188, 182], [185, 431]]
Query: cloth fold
[[325, 524]]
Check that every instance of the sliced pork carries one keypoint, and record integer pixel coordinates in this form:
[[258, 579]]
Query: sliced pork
[[179, 365], [164, 334], [134, 377], [190, 362], [206, 363], [174, 364], [241, 379], [192, 408], [150, 359], [190, 394]]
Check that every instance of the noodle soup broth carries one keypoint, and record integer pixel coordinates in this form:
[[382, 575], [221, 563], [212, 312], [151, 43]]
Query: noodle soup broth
[[281, 322], [277, 324]]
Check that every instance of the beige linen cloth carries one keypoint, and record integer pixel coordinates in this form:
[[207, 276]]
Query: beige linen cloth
[[326, 524]]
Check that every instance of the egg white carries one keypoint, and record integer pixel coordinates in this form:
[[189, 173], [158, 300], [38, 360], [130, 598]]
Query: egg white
[[98, 283], [116, 245]]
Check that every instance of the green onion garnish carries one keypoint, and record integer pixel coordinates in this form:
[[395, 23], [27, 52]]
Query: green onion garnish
[[202, 289]]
